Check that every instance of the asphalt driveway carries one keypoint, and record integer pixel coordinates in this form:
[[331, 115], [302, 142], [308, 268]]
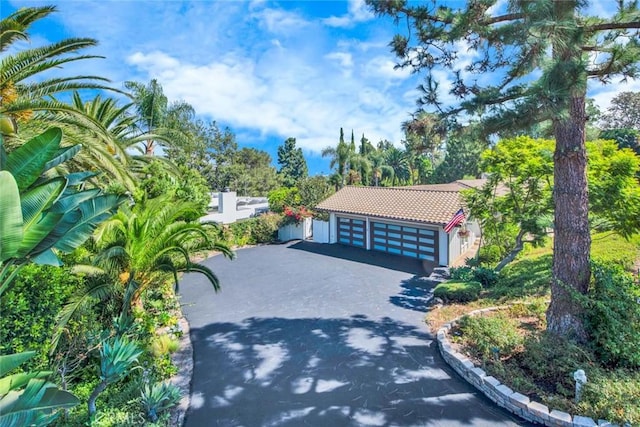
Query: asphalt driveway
[[316, 335]]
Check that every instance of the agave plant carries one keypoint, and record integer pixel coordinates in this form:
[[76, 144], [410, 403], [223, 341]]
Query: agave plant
[[28, 399], [42, 210], [117, 357], [158, 398]]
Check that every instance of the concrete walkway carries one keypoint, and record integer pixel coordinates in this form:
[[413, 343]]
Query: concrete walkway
[[316, 335]]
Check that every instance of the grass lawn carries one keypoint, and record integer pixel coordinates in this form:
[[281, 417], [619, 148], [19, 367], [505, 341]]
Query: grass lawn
[[511, 344]]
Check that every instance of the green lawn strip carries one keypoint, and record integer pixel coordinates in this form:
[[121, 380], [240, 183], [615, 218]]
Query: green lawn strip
[[512, 346]]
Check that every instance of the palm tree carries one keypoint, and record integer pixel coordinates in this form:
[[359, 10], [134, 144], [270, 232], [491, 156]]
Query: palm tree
[[379, 167], [144, 243], [397, 161], [21, 90], [105, 131], [161, 121], [340, 156]]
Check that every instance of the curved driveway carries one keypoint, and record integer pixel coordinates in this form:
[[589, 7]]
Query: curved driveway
[[316, 335]]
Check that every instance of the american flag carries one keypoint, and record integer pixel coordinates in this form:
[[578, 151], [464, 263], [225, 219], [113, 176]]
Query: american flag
[[457, 219]]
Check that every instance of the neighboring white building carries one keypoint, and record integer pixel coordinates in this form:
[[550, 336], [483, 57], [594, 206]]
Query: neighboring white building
[[227, 208], [403, 221]]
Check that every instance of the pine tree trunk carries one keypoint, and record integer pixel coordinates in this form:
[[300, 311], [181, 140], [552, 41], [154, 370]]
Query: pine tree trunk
[[572, 241]]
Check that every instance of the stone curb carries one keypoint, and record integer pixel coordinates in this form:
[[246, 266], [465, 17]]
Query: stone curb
[[501, 394], [183, 359]]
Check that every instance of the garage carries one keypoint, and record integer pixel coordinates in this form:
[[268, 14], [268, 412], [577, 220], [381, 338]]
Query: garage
[[403, 221], [414, 242], [351, 231]]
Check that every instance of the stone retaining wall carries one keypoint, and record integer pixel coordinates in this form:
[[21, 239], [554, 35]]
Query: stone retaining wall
[[501, 394]]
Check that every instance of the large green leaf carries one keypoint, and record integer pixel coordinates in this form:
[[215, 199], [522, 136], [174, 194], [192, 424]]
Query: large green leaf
[[73, 199], [10, 217], [47, 257], [9, 362], [93, 212], [35, 405], [78, 178], [3, 153], [17, 381], [35, 201], [27, 162], [62, 155], [48, 232], [37, 233]]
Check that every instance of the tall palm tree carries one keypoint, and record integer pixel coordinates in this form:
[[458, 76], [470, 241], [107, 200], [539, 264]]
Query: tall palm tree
[[161, 121], [379, 167], [397, 161], [340, 156], [22, 88]]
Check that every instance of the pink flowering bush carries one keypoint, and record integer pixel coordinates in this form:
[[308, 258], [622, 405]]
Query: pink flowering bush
[[295, 215]]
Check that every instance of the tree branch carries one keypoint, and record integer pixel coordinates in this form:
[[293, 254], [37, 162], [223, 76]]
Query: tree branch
[[613, 26], [503, 18]]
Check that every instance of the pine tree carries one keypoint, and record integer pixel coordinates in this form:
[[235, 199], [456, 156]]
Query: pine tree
[[540, 55], [293, 166]]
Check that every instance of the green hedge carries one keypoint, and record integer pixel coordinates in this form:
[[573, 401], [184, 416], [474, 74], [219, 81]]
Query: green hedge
[[29, 309], [458, 291]]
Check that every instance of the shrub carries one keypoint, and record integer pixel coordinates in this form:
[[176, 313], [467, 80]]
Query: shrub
[[282, 197], [458, 291], [614, 396], [163, 344], [29, 309], [491, 335], [490, 254], [486, 276], [461, 273], [550, 362], [613, 316], [240, 233], [265, 228]]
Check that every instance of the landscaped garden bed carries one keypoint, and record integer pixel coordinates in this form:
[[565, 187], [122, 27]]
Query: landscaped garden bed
[[510, 345]]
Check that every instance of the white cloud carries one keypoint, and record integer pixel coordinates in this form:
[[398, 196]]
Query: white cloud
[[357, 11], [604, 94], [343, 58], [384, 67], [280, 95], [280, 21]]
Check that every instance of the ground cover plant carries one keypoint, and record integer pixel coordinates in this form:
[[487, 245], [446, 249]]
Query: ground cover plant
[[512, 343]]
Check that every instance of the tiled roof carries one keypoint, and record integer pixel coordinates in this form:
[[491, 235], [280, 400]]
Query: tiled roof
[[402, 203], [459, 185]]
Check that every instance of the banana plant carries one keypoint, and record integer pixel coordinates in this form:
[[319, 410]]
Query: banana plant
[[43, 210], [28, 399]]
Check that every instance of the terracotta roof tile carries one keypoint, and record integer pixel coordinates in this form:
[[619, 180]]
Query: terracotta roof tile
[[402, 203]]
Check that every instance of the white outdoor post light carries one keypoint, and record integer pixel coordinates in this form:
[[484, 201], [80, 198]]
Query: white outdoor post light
[[581, 379]]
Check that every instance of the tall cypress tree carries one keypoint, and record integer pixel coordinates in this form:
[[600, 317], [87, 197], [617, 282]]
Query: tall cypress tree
[[540, 55]]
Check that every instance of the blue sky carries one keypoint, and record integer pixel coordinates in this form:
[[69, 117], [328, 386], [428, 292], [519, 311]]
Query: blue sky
[[268, 70]]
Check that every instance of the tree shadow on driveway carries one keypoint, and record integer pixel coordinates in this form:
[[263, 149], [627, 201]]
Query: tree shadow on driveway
[[415, 294], [328, 372]]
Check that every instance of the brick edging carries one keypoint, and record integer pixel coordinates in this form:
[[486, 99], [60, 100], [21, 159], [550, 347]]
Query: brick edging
[[501, 394]]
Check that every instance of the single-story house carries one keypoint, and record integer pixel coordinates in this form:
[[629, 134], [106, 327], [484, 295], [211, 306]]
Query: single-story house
[[406, 221]]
